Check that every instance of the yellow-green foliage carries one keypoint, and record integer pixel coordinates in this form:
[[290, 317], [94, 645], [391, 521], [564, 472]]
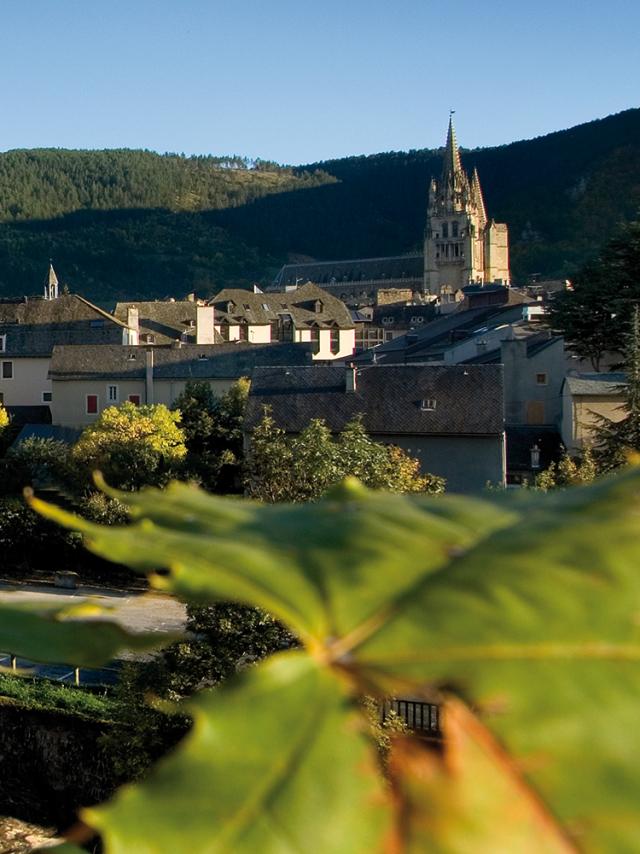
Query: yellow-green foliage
[[133, 445], [4, 419]]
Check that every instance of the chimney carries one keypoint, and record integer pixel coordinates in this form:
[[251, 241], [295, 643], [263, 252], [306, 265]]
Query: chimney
[[351, 378], [204, 325], [191, 297], [148, 376], [133, 325]]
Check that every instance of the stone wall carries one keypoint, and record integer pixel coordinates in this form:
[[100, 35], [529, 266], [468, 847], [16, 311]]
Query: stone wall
[[51, 763]]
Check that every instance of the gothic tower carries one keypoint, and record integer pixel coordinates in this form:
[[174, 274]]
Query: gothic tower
[[461, 246]]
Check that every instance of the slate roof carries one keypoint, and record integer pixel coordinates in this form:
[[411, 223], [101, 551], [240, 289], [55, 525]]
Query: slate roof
[[536, 343], [409, 267], [442, 333], [190, 361], [596, 384], [234, 305], [403, 316], [166, 320], [34, 326], [469, 401]]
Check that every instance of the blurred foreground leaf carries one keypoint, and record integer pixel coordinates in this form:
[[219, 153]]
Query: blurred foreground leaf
[[467, 796], [528, 607], [277, 761]]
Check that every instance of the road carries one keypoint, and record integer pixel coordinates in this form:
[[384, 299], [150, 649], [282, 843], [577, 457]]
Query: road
[[136, 612]]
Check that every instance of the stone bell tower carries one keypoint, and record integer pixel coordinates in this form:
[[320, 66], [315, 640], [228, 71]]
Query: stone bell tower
[[461, 246]]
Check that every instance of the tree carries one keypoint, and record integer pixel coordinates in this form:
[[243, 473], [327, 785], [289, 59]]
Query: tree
[[4, 419], [595, 316], [213, 433], [304, 467], [613, 440], [568, 472], [133, 446]]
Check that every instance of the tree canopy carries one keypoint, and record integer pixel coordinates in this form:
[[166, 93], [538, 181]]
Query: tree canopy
[[133, 446], [302, 468], [595, 316]]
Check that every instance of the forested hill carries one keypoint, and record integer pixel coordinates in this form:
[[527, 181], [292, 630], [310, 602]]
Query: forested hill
[[561, 195], [44, 183], [133, 223]]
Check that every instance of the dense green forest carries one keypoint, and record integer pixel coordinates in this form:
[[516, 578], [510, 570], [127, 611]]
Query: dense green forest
[[140, 224]]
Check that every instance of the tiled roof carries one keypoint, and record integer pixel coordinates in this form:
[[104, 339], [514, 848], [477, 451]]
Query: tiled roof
[[409, 267], [390, 398], [235, 305], [35, 326], [190, 361], [166, 320], [597, 384]]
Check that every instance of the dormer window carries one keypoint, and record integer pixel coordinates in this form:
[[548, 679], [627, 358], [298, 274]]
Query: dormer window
[[230, 307], [428, 404], [318, 306], [147, 338]]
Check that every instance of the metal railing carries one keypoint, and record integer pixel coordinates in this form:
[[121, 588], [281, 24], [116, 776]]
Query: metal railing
[[417, 716]]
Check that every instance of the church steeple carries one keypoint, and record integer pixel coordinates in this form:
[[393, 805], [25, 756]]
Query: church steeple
[[454, 185], [477, 198], [452, 167], [51, 287]]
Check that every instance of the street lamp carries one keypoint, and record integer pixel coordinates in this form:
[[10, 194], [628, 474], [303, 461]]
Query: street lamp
[[535, 456]]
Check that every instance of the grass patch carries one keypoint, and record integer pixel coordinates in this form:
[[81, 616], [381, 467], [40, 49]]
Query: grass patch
[[54, 696]]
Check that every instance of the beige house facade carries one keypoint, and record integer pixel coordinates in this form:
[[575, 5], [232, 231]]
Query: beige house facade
[[307, 315], [585, 397], [86, 380]]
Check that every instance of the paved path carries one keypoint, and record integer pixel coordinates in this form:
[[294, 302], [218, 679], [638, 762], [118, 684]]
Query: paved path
[[137, 612]]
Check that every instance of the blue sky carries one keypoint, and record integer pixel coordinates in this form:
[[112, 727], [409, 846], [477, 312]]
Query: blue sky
[[303, 81]]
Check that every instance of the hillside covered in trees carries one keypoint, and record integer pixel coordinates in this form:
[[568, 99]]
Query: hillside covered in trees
[[140, 224]]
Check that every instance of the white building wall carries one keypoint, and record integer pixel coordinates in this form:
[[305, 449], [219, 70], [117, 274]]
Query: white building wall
[[259, 334], [30, 379]]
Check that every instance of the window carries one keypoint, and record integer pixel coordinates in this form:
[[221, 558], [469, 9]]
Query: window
[[46, 396], [135, 399], [445, 230], [315, 338], [541, 379], [454, 229], [428, 404], [224, 331], [335, 340], [243, 332], [148, 339], [92, 404], [112, 393], [7, 370], [3, 343], [1, 397]]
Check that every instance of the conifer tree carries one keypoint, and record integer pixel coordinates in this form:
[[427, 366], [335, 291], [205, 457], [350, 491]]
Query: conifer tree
[[614, 440]]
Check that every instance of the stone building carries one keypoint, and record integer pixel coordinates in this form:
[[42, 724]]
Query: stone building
[[462, 247]]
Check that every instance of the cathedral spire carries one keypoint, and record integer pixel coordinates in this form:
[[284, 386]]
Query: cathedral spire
[[452, 167], [477, 198]]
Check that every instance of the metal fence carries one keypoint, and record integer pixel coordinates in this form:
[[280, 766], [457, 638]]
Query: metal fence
[[84, 677], [418, 716]]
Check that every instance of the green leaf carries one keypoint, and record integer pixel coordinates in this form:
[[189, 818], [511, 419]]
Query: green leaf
[[530, 608], [276, 762], [323, 568], [56, 635], [540, 626], [467, 795]]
